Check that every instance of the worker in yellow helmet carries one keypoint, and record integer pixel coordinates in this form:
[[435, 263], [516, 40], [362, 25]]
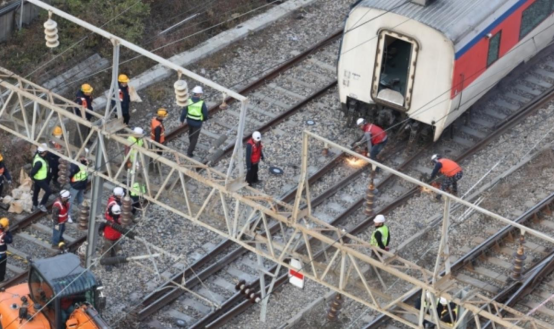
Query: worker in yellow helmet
[[84, 100], [124, 97], [53, 159], [5, 176], [5, 239]]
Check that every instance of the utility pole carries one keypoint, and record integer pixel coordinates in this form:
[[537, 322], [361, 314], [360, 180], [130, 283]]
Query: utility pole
[[96, 196]]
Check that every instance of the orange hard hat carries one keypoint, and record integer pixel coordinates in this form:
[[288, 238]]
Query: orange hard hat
[[1, 157], [57, 132], [162, 112], [5, 223]]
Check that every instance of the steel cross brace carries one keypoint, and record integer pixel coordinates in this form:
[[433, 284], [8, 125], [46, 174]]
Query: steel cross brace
[[345, 272]]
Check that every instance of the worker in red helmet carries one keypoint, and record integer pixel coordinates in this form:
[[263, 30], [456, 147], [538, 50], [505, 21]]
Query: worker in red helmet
[[451, 171], [254, 154], [374, 136]]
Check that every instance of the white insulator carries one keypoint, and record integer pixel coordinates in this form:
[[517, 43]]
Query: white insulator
[[181, 93], [51, 33]]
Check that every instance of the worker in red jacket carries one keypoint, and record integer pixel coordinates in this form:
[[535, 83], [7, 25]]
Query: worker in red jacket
[[375, 137], [113, 212], [451, 171], [60, 216], [254, 154]]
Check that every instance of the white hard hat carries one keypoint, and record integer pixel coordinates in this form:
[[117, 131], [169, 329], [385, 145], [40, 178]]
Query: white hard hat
[[42, 147], [360, 121], [65, 194], [257, 136], [379, 219], [435, 157], [428, 295], [443, 301], [116, 209], [118, 191], [138, 130], [197, 90]]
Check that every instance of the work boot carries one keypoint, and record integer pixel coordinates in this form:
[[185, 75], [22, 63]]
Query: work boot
[[69, 219], [43, 208]]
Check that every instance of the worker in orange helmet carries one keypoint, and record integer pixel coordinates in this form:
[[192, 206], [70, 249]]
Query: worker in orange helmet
[[5, 239], [4, 175], [53, 159], [451, 171], [84, 100], [124, 97]]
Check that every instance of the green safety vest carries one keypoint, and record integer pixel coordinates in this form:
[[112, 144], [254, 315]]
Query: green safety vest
[[82, 175], [138, 142], [195, 110], [42, 174], [139, 187], [384, 230]]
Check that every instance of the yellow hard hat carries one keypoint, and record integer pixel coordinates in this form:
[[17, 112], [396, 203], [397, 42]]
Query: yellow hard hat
[[57, 132], [162, 112], [123, 78], [1, 157], [5, 223], [86, 88]]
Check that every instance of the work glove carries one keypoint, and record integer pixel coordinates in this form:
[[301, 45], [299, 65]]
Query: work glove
[[9, 181], [57, 227]]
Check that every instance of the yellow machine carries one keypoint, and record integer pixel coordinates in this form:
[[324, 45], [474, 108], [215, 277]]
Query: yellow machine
[[59, 294]]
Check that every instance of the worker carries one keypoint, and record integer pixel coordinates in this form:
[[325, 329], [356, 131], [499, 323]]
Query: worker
[[157, 129], [39, 174], [124, 97], [427, 303], [254, 154], [5, 239], [84, 100], [60, 216], [195, 112], [4, 175], [136, 139], [53, 159], [375, 137], [111, 236], [78, 183], [451, 171], [136, 196], [381, 236]]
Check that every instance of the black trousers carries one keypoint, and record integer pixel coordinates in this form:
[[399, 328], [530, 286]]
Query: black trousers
[[3, 263], [194, 133], [252, 174], [1, 188], [126, 117], [41, 184]]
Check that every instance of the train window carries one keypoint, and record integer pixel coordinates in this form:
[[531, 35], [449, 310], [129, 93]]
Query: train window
[[533, 15], [394, 70], [494, 48]]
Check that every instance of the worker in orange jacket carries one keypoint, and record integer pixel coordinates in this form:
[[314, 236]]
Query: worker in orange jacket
[[451, 171]]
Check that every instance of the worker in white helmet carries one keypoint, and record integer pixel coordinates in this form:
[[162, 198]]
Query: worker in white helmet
[[196, 112], [381, 236], [374, 136], [254, 154], [39, 174], [136, 139]]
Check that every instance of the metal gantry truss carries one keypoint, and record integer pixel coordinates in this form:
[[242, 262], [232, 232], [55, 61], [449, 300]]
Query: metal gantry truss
[[186, 187]]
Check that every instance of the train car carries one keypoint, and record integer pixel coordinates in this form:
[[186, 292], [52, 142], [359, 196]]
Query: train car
[[426, 62]]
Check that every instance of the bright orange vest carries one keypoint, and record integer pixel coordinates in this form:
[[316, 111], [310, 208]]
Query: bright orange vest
[[155, 123], [449, 167]]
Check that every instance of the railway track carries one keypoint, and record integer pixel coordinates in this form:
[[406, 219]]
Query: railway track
[[472, 130]]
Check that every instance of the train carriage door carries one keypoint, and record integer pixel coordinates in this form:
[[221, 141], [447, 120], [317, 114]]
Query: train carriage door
[[394, 71]]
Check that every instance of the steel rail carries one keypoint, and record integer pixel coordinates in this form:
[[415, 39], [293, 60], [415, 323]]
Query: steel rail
[[508, 123], [166, 294]]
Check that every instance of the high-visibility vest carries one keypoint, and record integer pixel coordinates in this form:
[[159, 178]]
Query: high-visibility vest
[[384, 230], [155, 123], [449, 167], [82, 175], [454, 314], [256, 151], [42, 174], [195, 110], [378, 135], [138, 187], [135, 141], [64, 208]]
